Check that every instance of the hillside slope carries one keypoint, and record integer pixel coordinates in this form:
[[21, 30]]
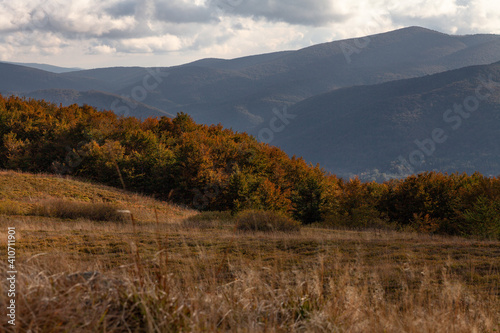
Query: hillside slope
[[359, 129], [24, 190]]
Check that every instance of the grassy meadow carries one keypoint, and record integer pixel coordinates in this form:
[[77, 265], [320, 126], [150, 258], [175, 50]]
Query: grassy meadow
[[170, 269]]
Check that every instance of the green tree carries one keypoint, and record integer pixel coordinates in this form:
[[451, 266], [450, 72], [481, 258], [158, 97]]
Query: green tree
[[308, 200]]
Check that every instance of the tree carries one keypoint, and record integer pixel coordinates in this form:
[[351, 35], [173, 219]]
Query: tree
[[308, 200]]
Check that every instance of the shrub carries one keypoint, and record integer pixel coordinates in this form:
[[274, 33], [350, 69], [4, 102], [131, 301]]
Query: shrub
[[9, 207], [268, 221], [206, 220], [361, 218], [66, 209], [426, 224]]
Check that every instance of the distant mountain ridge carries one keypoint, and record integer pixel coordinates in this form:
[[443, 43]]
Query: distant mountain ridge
[[23, 80], [45, 67]]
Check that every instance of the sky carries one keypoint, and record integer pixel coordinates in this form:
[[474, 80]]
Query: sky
[[153, 33]]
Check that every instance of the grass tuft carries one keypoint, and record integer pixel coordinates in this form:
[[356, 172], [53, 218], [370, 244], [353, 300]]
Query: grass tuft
[[65, 209], [267, 221], [10, 207], [207, 220]]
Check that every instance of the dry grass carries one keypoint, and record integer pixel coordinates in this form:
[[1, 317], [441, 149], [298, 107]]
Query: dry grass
[[159, 278], [155, 275]]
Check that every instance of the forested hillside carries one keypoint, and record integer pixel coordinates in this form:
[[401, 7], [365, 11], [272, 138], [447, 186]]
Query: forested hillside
[[212, 168], [367, 128]]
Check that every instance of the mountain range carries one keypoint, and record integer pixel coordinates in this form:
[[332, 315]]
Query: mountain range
[[442, 122], [357, 106]]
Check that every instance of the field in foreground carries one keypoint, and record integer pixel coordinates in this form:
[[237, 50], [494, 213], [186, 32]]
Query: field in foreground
[[163, 275]]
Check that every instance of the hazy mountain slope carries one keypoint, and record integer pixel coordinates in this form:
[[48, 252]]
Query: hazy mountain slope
[[98, 99], [483, 53], [353, 130], [115, 78]]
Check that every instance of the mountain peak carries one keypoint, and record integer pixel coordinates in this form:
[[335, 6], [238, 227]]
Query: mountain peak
[[418, 29], [411, 31]]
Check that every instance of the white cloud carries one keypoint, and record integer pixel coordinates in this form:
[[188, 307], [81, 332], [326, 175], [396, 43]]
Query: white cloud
[[423, 8], [6, 52], [151, 44], [102, 49]]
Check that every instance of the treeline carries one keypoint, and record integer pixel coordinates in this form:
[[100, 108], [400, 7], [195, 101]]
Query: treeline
[[212, 168]]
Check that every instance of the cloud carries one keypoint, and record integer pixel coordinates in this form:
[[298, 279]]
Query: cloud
[[151, 44], [178, 11], [189, 29], [101, 49], [122, 8], [312, 12], [6, 51]]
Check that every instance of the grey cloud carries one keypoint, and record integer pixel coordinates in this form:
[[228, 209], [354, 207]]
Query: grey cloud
[[55, 17], [179, 12], [123, 8], [238, 26], [462, 2], [312, 12], [173, 11]]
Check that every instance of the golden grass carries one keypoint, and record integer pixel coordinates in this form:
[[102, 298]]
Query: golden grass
[[157, 275], [21, 192]]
